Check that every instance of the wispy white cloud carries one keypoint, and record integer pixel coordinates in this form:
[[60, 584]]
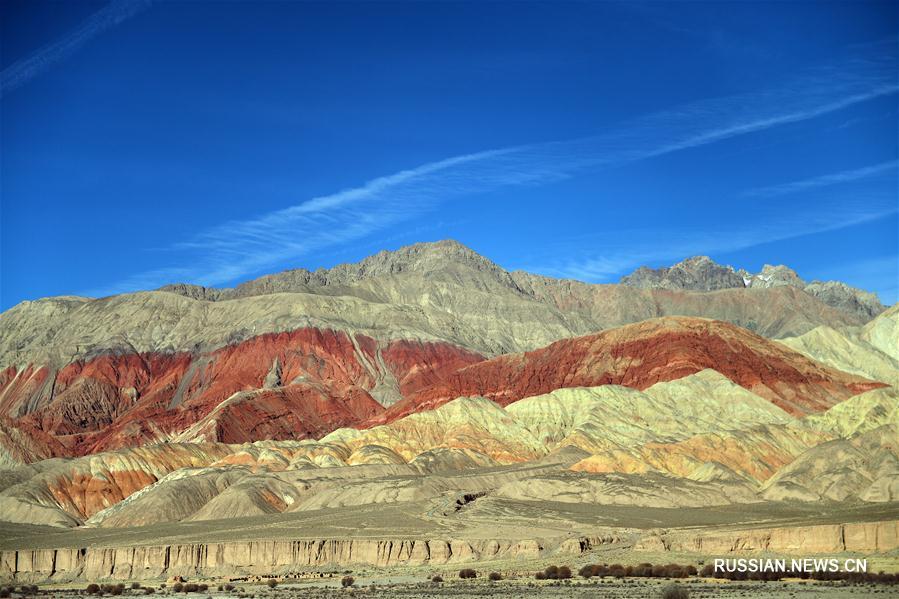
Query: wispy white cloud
[[236, 249], [117, 11], [891, 166]]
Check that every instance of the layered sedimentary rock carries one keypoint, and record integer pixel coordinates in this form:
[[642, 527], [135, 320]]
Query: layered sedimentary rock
[[263, 557], [861, 537], [21, 443], [394, 384], [292, 385], [65, 492], [864, 467], [761, 451], [698, 440], [882, 333], [298, 354], [308, 382], [642, 354]]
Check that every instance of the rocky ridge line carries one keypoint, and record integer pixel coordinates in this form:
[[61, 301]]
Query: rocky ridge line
[[701, 273]]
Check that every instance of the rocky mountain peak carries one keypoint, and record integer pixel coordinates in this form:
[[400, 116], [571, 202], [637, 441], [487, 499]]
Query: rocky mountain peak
[[701, 273], [846, 298], [698, 273], [427, 259], [776, 276], [418, 257]]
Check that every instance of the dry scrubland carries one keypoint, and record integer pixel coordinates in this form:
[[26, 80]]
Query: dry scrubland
[[407, 587]]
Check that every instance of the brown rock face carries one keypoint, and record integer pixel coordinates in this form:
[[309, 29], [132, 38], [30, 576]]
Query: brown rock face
[[642, 354]]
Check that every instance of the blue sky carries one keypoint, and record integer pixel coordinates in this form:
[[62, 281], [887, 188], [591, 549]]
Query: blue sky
[[146, 143]]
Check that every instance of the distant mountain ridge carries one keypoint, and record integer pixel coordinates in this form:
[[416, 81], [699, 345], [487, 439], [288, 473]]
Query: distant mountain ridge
[[434, 292], [434, 364], [698, 273], [417, 258], [701, 273]]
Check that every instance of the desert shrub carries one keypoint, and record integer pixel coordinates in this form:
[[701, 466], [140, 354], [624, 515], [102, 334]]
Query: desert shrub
[[92, 588], [149, 591], [178, 587], [551, 572], [467, 573], [691, 570], [540, 575], [564, 572], [191, 587], [229, 587], [135, 585], [586, 571], [495, 576], [616, 570], [4, 592], [437, 578], [675, 591], [203, 587], [347, 581], [272, 583]]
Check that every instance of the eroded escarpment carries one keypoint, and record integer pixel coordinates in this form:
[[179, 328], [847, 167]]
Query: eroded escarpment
[[266, 557], [857, 537], [249, 557]]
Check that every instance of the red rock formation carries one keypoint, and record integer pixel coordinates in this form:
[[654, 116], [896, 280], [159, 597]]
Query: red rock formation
[[307, 382], [642, 354], [22, 443], [301, 411], [90, 396], [291, 385], [418, 365], [85, 486], [19, 387]]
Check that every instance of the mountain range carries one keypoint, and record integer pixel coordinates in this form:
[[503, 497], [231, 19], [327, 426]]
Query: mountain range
[[701, 273], [429, 374]]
